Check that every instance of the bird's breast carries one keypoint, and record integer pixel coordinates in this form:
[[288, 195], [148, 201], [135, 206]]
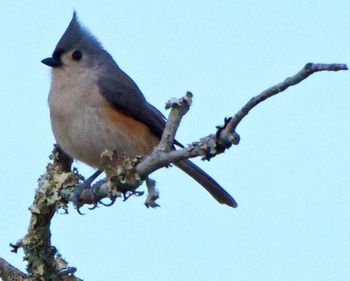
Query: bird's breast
[[85, 124]]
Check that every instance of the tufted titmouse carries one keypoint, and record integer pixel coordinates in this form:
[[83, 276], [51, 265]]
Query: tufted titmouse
[[95, 106]]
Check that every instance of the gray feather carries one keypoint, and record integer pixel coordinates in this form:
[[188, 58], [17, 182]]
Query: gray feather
[[77, 36], [120, 90]]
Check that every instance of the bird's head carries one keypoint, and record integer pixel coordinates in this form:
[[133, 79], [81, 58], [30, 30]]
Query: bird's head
[[76, 49]]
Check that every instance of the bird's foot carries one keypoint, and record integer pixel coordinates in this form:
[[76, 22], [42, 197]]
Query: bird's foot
[[127, 191], [85, 193]]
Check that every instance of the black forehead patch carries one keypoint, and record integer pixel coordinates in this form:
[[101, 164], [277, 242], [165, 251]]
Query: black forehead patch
[[58, 53]]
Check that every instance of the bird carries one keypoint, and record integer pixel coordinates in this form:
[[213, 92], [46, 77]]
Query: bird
[[94, 105]]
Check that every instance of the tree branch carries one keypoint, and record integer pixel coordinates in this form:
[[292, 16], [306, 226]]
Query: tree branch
[[305, 72], [9, 272], [43, 260], [217, 143], [179, 108], [56, 187]]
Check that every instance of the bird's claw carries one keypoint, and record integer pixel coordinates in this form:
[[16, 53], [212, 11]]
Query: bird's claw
[[83, 193], [88, 195], [94, 206], [129, 193], [113, 199], [78, 210]]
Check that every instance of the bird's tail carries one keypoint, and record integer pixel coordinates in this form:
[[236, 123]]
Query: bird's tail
[[220, 194]]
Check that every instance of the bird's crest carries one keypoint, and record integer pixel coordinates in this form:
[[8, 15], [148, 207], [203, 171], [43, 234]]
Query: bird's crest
[[77, 36]]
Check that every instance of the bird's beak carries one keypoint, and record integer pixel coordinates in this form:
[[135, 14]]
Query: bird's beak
[[52, 62]]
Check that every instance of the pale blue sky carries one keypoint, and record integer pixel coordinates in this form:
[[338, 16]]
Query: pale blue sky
[[290, 174]]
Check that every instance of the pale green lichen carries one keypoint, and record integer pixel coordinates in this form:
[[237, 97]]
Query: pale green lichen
[[40, 255]]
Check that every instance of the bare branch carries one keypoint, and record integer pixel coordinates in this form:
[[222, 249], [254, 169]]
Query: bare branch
[[179, 108], [305, 72], [217, 143], [9, 272]]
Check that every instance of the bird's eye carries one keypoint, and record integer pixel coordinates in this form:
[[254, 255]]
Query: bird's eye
[[77, 55]]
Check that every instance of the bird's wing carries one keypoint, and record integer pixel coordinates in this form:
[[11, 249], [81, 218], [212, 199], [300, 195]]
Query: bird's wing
[[121, 91]]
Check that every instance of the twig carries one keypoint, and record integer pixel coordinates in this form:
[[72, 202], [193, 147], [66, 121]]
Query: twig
[[305, 72], [179, 108]]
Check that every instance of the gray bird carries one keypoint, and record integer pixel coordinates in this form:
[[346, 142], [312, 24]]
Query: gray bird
[[95, 106]]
